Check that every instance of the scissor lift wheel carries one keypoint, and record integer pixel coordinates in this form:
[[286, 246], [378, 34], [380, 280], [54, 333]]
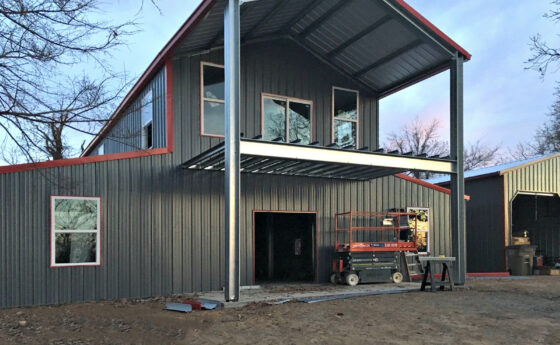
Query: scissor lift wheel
[[397, 277], [352, 279]]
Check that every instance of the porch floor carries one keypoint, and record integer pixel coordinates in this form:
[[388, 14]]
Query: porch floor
[[282, 292]]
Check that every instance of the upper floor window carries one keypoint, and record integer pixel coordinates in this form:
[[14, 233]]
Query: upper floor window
[[346, 117], [212, 99], [101, 149], [147, 121], [287, 119]]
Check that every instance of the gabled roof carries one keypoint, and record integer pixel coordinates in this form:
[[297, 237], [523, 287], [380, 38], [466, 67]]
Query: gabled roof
[[496, 170], [383, 45]]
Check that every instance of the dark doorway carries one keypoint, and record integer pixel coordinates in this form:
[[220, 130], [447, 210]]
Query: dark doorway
[[537, 216], [284, 247]]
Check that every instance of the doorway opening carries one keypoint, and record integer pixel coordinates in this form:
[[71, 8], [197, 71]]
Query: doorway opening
[[284, 246], [537, 218]]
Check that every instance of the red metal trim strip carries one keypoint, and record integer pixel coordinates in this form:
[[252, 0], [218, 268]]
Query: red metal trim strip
[[427, 184], [433, 28], [169, 103], [82, 160]]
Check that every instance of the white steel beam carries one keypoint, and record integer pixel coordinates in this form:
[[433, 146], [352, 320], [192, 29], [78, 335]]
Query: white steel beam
[[324, 155]]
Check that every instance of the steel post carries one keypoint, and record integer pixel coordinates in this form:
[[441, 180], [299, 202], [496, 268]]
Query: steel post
[[458, 236], [232, 158]]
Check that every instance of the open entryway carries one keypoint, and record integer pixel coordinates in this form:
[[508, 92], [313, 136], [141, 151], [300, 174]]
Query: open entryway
[[536, 217], [284, 246]]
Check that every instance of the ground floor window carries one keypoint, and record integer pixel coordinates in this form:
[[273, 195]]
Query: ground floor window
[[75, 231], [423, 223]]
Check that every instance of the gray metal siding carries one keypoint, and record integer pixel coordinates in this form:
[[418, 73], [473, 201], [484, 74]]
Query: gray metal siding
[[162, 227], [277, 67], [485, 224], [126, 135]]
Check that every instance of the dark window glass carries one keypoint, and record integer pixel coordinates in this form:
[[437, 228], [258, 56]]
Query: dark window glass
[[213, 82], [147, 136], [274, 119], [344, 133], [214, 118], [300, 122], [76, 248], [345, 104]]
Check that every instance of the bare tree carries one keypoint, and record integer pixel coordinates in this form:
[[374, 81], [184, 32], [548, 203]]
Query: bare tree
[[478, 156], [422, 138], [543, 54], [418, 138], [42, 96]]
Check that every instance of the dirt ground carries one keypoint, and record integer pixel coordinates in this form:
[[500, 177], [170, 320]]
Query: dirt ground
[[483, 312]]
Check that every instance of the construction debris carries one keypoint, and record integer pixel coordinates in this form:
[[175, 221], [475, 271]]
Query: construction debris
[[180, 307]]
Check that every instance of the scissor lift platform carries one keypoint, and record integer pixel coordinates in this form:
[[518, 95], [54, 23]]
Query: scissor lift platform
[[371, 246]]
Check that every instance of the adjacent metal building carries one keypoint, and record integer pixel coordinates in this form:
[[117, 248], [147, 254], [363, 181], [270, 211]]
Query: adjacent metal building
[[512, 200], [142, 212]]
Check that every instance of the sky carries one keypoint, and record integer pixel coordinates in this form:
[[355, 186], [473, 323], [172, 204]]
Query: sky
[[504, 103]]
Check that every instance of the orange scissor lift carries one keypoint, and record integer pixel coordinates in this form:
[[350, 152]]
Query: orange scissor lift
[[371, 246]]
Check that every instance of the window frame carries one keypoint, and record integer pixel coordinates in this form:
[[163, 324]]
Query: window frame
[[287, 99], [53, 232], [150, 123], [357, 121], [204, 99], [429, 231]]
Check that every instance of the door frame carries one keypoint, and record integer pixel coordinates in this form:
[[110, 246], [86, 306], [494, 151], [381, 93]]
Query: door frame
[[316, 259]]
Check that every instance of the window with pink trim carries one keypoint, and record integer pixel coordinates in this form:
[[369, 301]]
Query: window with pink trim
[[75, 231]]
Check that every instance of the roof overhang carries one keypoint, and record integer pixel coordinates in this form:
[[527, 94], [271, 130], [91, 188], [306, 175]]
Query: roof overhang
[[383, 45], [262, 157]]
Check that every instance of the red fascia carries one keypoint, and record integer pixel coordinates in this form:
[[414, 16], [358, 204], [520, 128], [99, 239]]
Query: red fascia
[[433, 28], [82, 160], [152, 69], [169, 103], [427, 184]]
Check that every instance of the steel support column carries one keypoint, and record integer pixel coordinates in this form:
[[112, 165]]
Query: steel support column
[[232, 157], [457, 179]]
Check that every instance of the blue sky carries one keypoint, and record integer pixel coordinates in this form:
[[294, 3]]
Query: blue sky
[[504, 102]]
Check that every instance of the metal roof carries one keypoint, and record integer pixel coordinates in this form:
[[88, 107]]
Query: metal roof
[[278, 158], [385, 45], [499, 169], [382, 44]]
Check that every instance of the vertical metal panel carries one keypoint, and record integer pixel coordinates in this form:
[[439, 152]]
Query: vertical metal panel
[[276, 67], [485, 245], [126, 135]]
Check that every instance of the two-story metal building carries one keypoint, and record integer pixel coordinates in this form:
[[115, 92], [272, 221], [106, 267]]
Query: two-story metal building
[[143, 211]]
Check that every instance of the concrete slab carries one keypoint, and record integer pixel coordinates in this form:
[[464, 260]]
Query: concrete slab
[[282, 292]]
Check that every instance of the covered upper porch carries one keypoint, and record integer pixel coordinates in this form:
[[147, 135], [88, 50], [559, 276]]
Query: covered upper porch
[[382, 45]]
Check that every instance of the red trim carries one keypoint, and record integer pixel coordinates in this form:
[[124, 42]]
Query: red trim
[[81, 160], [427, 184], [51, 220], [169, 103], [152, 69], [433, 28], [317, 237]]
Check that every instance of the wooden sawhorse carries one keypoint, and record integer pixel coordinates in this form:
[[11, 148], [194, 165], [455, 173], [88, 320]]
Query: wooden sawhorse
[[431, 262]]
